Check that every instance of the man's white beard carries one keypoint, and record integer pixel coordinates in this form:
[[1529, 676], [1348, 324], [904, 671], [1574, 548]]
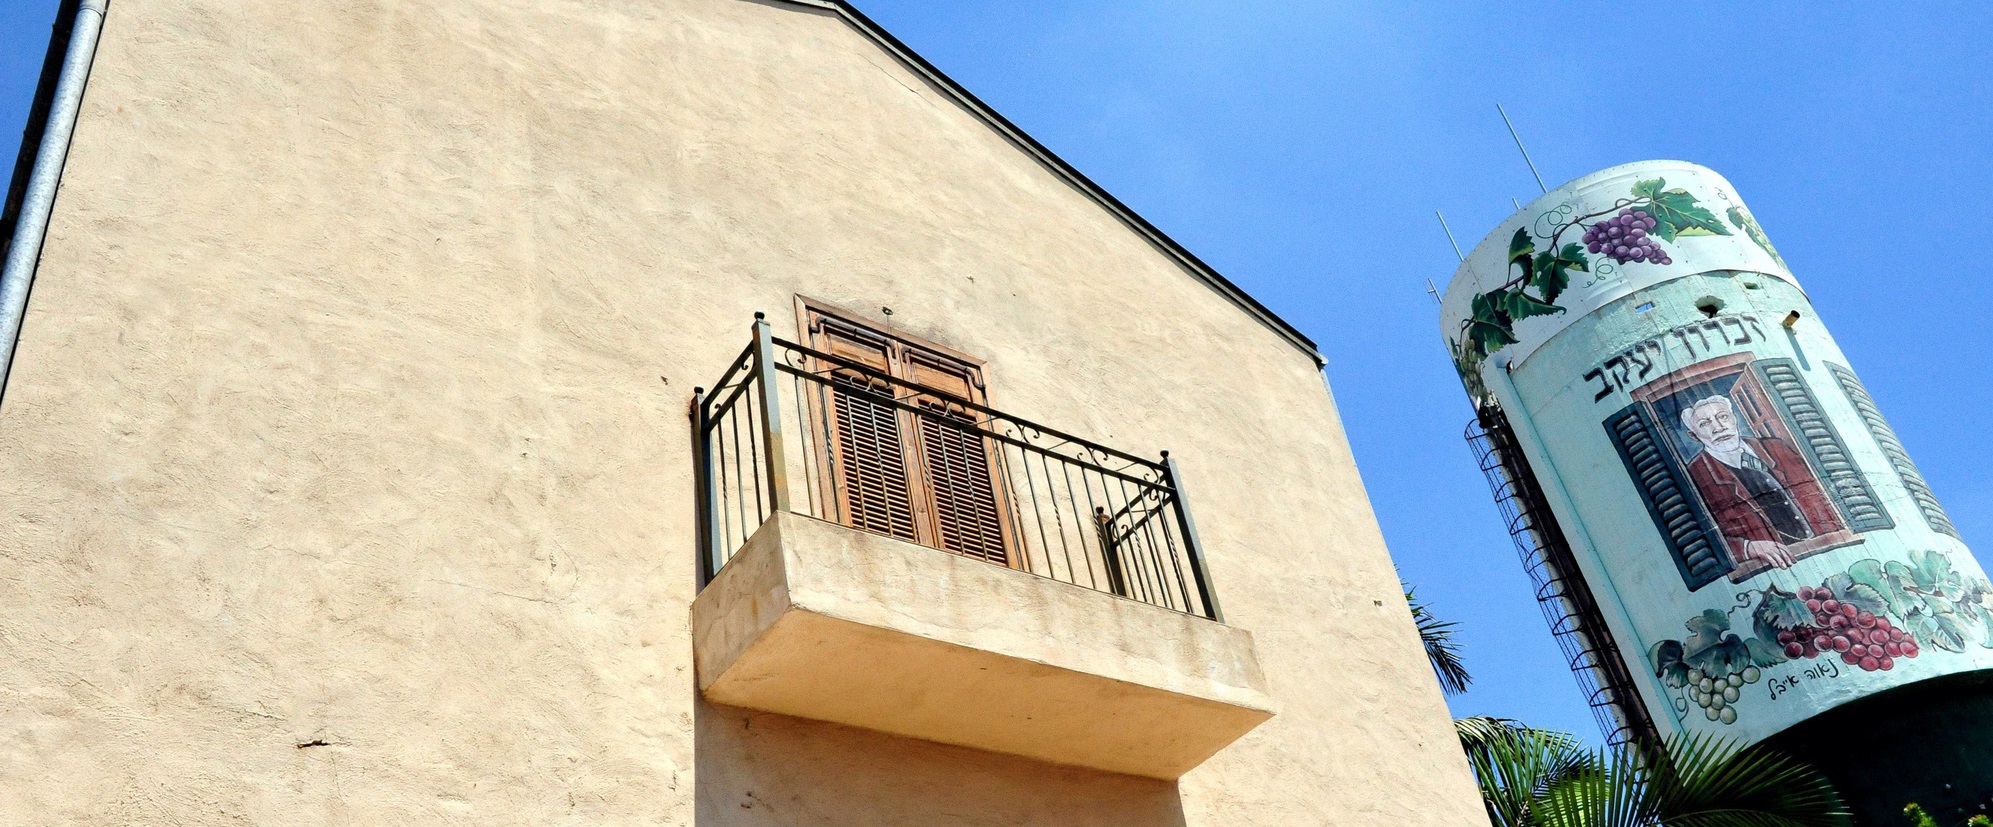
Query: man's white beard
[[1728, 450]]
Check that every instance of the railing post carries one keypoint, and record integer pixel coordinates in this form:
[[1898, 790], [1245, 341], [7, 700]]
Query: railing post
[[1192, 548], [709, 506], [1110, 552], [770, 402]]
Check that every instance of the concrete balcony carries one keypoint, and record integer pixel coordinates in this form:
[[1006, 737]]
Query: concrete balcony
[[818, 620]]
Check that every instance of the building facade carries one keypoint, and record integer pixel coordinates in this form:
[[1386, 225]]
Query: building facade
[[392, 384]]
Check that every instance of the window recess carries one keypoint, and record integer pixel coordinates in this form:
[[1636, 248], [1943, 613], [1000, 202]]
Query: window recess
[[910, 458]]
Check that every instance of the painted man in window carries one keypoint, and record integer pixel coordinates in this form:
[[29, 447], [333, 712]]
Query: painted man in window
[[1760, 491]]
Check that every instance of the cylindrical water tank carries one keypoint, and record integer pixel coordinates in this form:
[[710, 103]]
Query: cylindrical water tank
[[1763, 551]]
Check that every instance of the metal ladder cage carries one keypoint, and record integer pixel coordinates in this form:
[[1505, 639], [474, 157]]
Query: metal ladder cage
[[1561, 592]]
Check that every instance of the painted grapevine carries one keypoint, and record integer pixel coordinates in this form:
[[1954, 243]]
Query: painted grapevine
[[1637, 228], [1872, 617], [1742, 219], [1711, 666]]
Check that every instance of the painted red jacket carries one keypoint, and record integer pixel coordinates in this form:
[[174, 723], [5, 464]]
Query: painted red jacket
[[1739, 516]]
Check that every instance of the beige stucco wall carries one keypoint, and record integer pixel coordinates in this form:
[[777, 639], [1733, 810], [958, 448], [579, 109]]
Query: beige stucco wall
[[350, 408]]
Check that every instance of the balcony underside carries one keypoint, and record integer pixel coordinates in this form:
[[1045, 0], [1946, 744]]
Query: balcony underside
[[820, 621]]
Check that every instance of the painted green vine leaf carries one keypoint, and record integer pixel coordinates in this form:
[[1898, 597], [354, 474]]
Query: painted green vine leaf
[[1709, 648], [1934, 573], [1869, 573], [1764, 654], [1860, 596], [1519, 305], [1553, 270], [1521, 246], [1668, 665], [1942, 630], [1488, 329], [1779, 611], [1676, 212]]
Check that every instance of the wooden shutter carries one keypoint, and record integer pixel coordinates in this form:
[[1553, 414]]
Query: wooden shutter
[[956, 461], [1678, 513], [871, 487], [922, 470], [1885, 436], [1823, 446]]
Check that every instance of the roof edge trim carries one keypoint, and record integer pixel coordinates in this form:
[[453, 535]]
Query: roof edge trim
[[1189, 261]]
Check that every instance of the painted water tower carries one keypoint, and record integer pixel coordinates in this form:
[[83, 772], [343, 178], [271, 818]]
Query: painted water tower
[[1726, 535]]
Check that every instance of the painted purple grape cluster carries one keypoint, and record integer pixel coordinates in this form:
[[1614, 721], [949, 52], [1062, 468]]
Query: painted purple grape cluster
[[1860, 638], [1624, 237]]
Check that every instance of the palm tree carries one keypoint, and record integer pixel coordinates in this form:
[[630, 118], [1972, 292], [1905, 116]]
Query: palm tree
[[1540, 778], [1543, 778]]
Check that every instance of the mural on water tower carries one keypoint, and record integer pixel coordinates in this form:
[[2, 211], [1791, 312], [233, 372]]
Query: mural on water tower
[[1725, 480], [1742, 474], [1735, 495]]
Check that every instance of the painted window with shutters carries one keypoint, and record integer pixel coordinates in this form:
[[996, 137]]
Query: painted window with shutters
[[910, 458], [1740, 470]]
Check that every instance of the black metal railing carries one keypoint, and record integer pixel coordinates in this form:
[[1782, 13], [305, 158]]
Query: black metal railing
[[790, 428], [1575, 619]]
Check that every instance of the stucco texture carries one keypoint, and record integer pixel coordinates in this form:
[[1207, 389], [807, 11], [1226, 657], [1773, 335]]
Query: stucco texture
[[345, 473]]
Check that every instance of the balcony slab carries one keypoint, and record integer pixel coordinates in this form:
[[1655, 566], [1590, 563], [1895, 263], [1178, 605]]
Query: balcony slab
[[821, 621]]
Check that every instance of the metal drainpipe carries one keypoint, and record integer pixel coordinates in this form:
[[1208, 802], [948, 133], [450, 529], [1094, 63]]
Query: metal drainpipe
[[31, 227]]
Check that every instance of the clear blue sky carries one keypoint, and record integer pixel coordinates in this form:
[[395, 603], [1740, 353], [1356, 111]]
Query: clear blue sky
[[1302, 146]]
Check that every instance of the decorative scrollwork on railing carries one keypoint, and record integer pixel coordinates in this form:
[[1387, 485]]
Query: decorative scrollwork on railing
[[816, 364]]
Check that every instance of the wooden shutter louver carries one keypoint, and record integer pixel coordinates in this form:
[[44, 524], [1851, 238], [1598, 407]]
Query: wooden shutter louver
[[1885, 436], [1678, 514], [957, 462], [872, 462], [1823, 446]]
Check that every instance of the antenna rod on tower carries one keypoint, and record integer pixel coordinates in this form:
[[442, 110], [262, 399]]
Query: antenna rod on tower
[[1449, 236], [1519, 147]]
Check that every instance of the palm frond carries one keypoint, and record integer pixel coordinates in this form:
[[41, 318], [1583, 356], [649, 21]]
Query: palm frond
[[1478, 731], [1707, 782], [1441, 647], [1519, 768]]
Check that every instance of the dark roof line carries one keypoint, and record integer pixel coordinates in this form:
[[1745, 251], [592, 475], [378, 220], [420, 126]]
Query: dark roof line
[[1203, 272]]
